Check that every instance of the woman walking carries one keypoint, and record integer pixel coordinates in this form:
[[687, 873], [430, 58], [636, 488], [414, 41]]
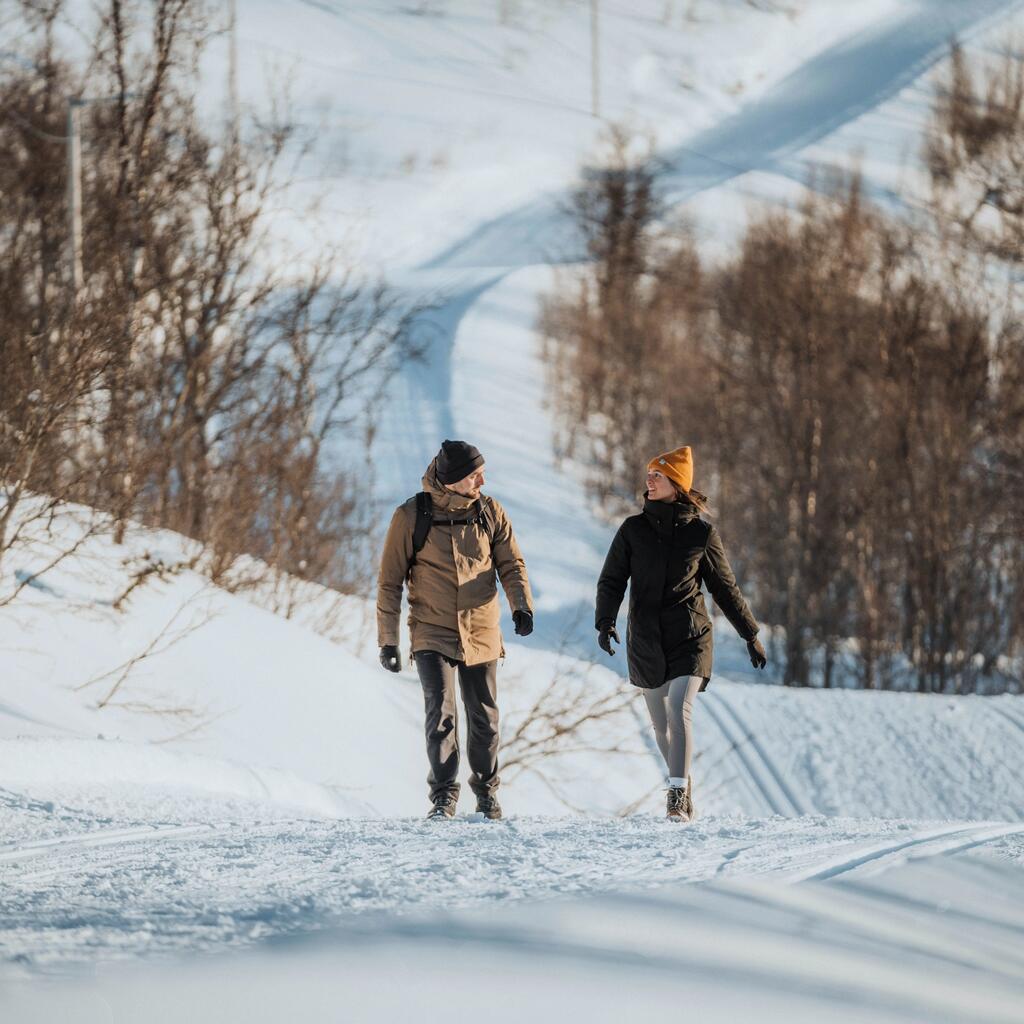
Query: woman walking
[[666, 552]]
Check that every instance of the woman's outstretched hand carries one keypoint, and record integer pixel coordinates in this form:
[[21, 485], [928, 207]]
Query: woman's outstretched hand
[[605, 636], [755, 649]]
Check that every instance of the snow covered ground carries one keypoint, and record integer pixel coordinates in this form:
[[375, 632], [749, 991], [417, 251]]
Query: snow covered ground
[[252, 787], [362, 920]]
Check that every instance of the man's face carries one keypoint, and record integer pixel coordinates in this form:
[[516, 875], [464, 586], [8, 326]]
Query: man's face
[[469, 486]]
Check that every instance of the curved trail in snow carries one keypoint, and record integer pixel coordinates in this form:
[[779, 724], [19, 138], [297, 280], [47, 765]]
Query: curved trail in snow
[[830, 90]]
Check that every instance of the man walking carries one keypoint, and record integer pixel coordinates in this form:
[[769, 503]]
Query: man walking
[[447, 543]]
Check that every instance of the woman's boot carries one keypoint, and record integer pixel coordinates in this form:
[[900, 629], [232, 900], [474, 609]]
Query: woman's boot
[[679, 803], [676, 805]]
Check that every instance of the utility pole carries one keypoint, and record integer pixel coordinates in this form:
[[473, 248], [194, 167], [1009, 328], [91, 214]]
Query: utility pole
[[74, 142], [595, 61]]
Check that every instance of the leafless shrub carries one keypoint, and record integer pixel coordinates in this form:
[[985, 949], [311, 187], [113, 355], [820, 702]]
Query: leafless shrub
[[573, 714], [195, 381]]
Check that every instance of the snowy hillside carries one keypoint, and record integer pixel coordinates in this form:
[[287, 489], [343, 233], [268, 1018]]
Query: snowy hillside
[[189, 686], [184, 770]]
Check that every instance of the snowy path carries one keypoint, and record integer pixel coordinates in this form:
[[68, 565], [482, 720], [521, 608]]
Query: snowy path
[[922, 942], [804, 911], [100, 893]]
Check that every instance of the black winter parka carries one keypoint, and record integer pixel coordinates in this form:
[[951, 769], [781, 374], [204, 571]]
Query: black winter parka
[[665, 553]]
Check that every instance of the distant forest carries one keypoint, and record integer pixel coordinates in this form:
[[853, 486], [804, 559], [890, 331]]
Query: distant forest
[[852, 383]]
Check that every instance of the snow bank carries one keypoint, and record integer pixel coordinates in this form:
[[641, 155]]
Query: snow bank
[[919, 946], [112, 771]]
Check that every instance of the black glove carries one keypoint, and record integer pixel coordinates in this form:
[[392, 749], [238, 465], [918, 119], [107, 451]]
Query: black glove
[[523, 621], [390, 658], [756, 651], [606, 634]]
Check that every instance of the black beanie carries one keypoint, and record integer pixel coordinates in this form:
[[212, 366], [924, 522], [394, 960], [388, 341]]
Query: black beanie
[[456, 460]]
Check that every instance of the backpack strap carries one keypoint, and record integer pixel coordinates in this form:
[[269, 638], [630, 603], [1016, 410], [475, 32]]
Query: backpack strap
[[424, 520], [472, 516], [480, 513], [485, 512]]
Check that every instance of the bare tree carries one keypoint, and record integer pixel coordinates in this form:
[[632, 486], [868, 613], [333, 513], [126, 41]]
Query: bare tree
[[195, 381], [618, 332]]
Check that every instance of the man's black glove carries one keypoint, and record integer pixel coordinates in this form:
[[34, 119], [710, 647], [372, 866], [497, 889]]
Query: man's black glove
[[390, 658], [606, 634], [523, 621], [756, 651]]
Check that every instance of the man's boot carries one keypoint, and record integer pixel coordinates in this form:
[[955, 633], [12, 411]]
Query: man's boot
[[444, 807], [489, 807]]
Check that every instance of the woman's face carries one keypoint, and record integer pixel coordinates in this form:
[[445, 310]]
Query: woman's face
[[659, 487]]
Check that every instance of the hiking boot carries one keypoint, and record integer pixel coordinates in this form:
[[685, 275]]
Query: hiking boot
[[489, 807], [444, 807], [679, 804]]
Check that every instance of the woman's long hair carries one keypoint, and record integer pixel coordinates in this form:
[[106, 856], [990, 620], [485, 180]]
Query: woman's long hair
[[694, 497]]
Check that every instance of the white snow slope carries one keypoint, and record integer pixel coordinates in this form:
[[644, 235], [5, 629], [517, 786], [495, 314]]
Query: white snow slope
[[249, 781]]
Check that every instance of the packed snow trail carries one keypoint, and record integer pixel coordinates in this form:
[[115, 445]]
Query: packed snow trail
[[153, 885], [919, 943]]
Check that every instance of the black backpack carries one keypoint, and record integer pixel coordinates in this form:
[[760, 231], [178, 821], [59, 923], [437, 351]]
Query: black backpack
[[479, 512]]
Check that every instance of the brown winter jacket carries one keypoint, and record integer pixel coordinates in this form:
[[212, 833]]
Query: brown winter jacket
[[453, 598]]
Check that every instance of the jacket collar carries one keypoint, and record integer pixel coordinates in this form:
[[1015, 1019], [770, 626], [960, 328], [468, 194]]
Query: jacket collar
[[662, 514]]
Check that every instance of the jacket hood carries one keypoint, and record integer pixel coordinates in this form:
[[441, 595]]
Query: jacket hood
[[443, 499]]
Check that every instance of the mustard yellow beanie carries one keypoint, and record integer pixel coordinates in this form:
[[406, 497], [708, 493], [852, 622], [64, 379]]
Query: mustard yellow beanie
[[677, 465]]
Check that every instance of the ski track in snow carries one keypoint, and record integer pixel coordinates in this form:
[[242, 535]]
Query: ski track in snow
[[948, 840], [761, 771], [20, 853]]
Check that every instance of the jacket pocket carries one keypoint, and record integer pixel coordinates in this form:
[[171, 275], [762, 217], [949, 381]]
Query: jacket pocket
[[700, 621]]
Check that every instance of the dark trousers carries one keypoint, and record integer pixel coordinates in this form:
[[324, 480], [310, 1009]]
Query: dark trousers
[[479, 685]]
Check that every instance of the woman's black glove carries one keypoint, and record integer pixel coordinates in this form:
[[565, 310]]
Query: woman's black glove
[[390, 658], [606, 634], [523, 621], [756, 651]]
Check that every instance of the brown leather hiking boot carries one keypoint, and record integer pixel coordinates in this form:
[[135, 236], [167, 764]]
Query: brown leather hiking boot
[[444, 807], [679, 804], [489, 807]]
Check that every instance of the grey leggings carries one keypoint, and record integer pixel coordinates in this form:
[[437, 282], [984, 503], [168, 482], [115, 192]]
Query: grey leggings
[[671, 710]]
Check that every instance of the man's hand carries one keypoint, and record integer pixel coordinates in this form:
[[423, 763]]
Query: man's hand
[[523, 621], [606, 634], [756, 651], [390, 658]]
